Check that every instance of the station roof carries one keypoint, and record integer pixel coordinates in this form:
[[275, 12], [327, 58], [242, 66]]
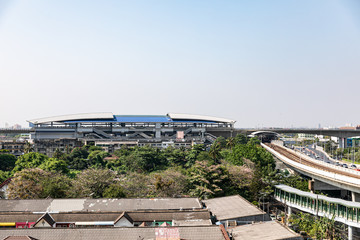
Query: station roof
[[109, 117], [74, 117], [181, 116]]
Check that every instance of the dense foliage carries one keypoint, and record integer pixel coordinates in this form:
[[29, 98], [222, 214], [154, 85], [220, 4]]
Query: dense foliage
[[230, 166], [316, 228]]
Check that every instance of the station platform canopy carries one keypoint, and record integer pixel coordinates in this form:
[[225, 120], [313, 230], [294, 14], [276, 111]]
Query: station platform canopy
[[109, 117]]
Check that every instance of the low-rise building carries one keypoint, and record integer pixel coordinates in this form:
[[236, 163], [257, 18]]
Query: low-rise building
[[235, 210], [270, 230]]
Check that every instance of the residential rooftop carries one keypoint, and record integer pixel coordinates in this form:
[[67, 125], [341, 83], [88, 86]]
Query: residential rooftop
[[232, 207], [270, 230], [141, 233], [93, 205], [181, 217]]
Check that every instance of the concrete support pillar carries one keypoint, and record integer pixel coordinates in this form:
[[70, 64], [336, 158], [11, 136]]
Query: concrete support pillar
[[350, 233], [355, 197], [342, 142], [289, 211], [157, 131], [289, 214]]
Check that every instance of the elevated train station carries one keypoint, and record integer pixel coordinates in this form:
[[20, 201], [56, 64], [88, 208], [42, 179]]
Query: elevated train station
[[112, 131]]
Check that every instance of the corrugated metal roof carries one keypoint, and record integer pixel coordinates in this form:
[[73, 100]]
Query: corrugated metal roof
[[137, 216], [231, 207], [137, 233], [269, 230], [141, 216], [119, 205]]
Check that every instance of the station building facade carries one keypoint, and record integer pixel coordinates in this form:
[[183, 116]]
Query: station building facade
[[113, 131]]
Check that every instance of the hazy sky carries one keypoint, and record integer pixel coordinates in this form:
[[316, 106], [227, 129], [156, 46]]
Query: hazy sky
[[263, 63]]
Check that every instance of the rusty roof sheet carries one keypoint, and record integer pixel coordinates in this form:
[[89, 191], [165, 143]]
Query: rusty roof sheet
[[136, 233], [98, 205], [270, 230], [231, 207], [140, 216]]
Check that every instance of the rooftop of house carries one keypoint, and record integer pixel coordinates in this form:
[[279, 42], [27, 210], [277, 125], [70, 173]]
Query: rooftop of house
[[194, 233], [231, 207], [19, 238], [95, 205], [183, 217], [270, 230], [6, 182]]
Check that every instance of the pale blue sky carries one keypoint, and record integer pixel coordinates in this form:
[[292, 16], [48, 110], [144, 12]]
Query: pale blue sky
[[264, 63]]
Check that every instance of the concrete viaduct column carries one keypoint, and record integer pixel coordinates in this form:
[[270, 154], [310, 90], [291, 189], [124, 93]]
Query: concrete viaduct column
[[350, 233], [355, 197], [342, 142], [289, 214]]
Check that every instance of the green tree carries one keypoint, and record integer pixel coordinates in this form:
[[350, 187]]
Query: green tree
[[58, 154], [95, 148], [230, 142], [28, 148], [27, 184], [169, 183], [193, 153], [175, 156], [221, 141], [206, 180], [96, 158], [56, 186], [4, 175], [114, 191], [136, 185], [240, 139], [29, 160], [7, 161], [92, 182], [215, 152], [55, 165]]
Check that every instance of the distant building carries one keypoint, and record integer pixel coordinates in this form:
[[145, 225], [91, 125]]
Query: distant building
[[305, 136], [15, 148], [112, 131], [348, 128]]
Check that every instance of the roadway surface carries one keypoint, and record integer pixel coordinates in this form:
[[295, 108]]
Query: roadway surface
[[312, 163]]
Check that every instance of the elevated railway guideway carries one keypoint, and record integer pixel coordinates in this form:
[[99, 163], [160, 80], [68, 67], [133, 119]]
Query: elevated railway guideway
[[347, 179], [15, 131], [346, 212]]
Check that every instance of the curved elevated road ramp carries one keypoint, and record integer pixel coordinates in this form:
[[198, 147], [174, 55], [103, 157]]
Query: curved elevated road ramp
[[339, 177]]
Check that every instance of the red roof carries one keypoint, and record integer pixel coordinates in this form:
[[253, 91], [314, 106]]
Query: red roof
[[6, 182]]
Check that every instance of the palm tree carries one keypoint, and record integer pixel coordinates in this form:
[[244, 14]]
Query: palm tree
[[28, 148], [215, 151], [230, 142]]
